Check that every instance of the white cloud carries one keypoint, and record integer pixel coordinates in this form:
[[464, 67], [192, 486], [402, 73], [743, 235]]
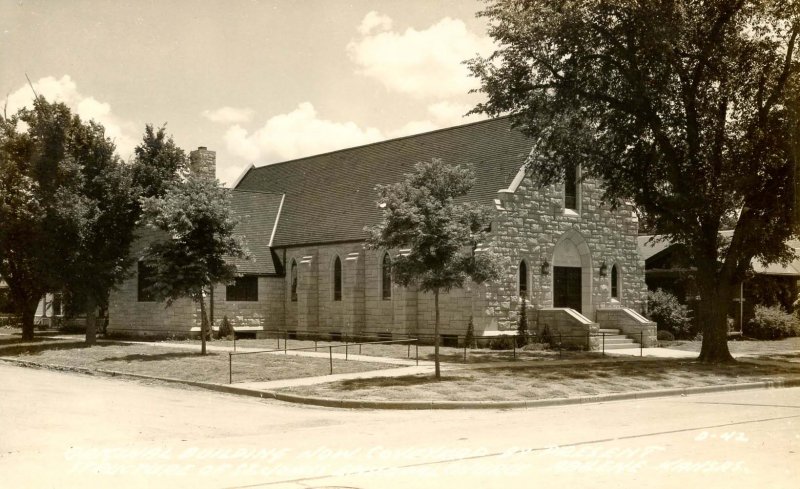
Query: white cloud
[[426, 63], [374, 20], [301, 132], [65, 90], [229, 115], [443, 114], [414, 127]]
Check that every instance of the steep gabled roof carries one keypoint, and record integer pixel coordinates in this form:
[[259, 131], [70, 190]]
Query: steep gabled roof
[[331, 197], [258, 213]]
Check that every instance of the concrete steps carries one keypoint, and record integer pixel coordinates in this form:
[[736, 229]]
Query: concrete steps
[[613, 340]]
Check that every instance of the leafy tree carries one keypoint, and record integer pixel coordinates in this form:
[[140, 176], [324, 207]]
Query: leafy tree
[[420, 214], [157, 162], [196, 220], [103, 257], [47, 217], [687, 109]]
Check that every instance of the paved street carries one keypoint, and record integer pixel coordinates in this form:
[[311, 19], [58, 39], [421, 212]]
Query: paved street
[[67, 430]]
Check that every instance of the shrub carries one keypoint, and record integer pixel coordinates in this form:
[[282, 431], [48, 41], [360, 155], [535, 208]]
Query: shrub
[[11, 321], [225, 328], [664, 335], [665, 309], [771, 323], [502, 343], [469, 338], [522, 327]]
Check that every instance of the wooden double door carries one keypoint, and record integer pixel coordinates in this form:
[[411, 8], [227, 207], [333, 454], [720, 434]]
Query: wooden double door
[[567, 287]]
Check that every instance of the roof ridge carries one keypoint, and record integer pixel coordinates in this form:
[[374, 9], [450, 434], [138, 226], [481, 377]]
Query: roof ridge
[[384, 141], [236, 189]]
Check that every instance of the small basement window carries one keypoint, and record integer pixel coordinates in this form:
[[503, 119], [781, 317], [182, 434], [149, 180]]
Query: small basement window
[[450, 340], [244, 289]]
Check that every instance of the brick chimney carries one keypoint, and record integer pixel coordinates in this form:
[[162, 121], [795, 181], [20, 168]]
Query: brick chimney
[[203, 162]]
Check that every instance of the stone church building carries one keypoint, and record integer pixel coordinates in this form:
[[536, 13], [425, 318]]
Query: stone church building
[[572, 261]]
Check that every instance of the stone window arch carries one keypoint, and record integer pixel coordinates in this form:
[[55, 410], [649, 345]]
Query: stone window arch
[[386, 277], [523, 279], [293, 278], [337, 279]]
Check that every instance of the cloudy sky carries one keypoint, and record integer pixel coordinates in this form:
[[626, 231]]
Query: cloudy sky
[[259, 81]]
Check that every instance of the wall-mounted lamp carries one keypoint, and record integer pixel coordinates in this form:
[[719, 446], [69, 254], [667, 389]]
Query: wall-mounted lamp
[[545, 267], [603, 269]]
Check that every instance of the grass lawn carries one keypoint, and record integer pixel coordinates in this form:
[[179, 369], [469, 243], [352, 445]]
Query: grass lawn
[[175, 363], [786, 348], [549, 380]]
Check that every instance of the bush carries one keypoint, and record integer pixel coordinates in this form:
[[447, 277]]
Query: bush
[[665, 309], [665, 336], [771, 323], [502, 343], [225, 328], [522, 327], [10, 320], [469, 338]]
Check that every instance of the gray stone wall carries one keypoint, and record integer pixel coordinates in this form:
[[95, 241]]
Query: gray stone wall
[[531, 223], [266, 313], [126, 315]]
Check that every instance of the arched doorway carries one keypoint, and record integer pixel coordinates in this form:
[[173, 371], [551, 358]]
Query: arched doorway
[[572, 273]]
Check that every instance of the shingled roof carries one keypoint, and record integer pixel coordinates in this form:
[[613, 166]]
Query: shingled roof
[[331, 197], [257, 213]]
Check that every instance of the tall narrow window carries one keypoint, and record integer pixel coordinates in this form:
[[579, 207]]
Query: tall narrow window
[[523, 279], [337, 279], [386, 277], [294, 281], [144, 280], [571, 187], [614, 282]]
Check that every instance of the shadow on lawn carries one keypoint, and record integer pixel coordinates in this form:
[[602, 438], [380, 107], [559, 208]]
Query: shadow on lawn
[[404, 381], [16, 347], [139, 357]]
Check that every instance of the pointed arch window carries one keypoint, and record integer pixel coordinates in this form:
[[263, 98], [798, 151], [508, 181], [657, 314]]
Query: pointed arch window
[[614, 282], [293, 276], [386, 277], [337, 279], [523, 279]]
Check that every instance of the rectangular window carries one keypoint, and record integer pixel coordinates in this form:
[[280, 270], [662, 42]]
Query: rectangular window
[[144, 274], [571, 187], [244, 289]]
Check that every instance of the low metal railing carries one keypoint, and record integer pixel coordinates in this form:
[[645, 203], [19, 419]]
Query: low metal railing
[[346, 346]]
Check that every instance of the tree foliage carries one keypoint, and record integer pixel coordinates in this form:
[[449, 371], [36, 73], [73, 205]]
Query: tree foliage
[[198, 228], [687, 109], [438, 235], [65, 219]]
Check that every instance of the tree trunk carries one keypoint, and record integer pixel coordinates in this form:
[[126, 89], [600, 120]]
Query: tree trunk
[[715, 296], [91, 321], [436, 334], [203, 322], [28, 315]]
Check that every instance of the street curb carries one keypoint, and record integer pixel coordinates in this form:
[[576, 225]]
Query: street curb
[[418, 405], [619, 396]]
